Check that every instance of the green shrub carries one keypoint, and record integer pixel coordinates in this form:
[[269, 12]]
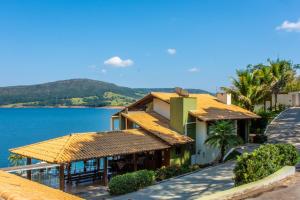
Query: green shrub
[[171, 171], [289, 154], [131, 182], [174, 170], [263, 161]]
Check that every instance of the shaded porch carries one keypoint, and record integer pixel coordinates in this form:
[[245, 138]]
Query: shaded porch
[[102, 156]]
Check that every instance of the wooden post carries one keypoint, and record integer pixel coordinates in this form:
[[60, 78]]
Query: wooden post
[[126, 123], [134, 162], [28, 162], [111, 123], [98, 173], [62, 177], [167, 157], [69, 173], [105, 177], [84, 165]]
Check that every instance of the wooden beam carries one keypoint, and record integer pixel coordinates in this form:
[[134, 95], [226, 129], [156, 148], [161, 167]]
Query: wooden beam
[[98, 167], [84, 165], [134, 162], [28, 162], [126, 123], [167, 157], [105, 174], [69, 173], [112, 124], [62, 177]]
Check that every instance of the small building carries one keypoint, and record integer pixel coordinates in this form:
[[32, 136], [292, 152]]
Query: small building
[[158, 130], [183, 121]]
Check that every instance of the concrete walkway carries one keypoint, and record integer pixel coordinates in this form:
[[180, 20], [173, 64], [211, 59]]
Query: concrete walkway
[[191, 186], [286, 128], [289, 190]]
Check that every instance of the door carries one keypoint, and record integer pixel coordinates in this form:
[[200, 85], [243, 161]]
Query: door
[[241, 129]]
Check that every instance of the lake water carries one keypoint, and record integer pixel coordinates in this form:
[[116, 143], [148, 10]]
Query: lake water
[[22, 126]]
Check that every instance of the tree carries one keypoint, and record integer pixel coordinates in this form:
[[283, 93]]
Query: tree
[[283, 73], [257, 83], [246, 90], [222, 135], [15, 159]]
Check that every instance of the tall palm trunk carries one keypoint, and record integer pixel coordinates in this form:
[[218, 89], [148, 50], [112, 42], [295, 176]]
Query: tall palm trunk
[[222, 153], [275, 100]]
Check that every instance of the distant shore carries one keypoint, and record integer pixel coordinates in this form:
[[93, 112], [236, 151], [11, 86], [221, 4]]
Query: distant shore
[[106, 107]]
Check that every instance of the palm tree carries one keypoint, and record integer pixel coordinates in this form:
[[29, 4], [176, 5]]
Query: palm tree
[[283, 73], [247, 90], [222, 135], [15, 159]]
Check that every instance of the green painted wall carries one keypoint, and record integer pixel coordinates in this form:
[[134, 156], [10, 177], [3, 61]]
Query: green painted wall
[[183, 159], [179, 112]]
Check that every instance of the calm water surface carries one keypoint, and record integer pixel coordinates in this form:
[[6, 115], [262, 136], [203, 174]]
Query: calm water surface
[[22, 126]]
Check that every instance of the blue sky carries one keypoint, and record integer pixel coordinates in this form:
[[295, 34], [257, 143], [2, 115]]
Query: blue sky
[[139, 43]]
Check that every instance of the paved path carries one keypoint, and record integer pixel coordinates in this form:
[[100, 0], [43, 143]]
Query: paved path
[[192, 186], [287, 191], [286, 128]]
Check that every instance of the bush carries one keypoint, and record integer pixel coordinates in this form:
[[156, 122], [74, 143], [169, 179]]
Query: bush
[[131, 182], [289, 154], [174, 170], [264, 161]]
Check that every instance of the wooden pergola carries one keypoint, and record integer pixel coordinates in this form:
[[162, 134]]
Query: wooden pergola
[[93, 146]]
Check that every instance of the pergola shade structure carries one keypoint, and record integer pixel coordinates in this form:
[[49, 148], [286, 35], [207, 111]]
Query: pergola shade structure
[[93, 145]]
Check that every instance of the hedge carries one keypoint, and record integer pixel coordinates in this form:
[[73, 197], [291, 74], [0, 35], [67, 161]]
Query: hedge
[[263, 162], [174, 170], [131, 182]]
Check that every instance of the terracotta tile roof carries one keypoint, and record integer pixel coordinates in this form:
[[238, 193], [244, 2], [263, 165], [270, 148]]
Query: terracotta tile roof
[[83, 146], [209, 108], [158, 125], [13, 187]]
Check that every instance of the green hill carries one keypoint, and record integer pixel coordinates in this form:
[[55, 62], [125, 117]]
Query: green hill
[[74, 92]]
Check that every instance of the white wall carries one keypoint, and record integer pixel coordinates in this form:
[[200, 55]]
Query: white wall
[[204, 153], [284, 99], [161, 107], [295, 98]]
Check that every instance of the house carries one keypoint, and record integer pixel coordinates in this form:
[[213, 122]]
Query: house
[[183, 120], [158, 130]]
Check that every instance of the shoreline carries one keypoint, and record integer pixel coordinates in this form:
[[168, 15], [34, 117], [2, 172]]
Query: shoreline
[[105, 107]]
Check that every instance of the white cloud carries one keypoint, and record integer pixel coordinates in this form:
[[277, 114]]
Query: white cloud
[[289, 26], [193, 69], [171, 51], [103, 71], [116, 61]]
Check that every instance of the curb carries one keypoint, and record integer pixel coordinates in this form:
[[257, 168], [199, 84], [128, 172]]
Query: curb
[[250, 187]]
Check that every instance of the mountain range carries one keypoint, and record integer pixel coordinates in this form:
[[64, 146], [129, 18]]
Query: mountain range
[[75, 92]]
